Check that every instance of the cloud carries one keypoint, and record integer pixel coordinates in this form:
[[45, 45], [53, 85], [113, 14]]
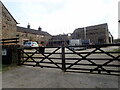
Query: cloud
[[64, 16], [80, 14], [31, 0]]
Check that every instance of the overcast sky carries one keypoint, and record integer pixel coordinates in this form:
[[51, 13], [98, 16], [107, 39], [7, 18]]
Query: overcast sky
[[64, 16]]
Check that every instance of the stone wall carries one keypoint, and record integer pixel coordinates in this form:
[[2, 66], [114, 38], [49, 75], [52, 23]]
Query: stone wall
[[27, 34], [96, 34], [0, 20], [78, 34], [13, 52], [28, 37], [0, 37], [9, 29]]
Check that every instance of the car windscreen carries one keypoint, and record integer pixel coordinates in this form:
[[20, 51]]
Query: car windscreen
[[28, 43], [34, 42]]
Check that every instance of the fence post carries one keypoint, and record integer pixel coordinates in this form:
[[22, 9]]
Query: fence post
[[63, 59], [3, 41], [16, 40], [19, 56]]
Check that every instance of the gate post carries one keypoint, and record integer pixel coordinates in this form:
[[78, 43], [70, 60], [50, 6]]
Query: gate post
[[63, 59], [19, 56]]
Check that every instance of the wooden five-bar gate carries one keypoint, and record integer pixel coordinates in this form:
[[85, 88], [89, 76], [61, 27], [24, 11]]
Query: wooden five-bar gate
[[96, 59]]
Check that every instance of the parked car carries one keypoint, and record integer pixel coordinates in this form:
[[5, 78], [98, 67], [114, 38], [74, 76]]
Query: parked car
[[31, 44]]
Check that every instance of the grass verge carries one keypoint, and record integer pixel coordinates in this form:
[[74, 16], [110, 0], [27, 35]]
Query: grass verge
[[116, 50], [7, 67]]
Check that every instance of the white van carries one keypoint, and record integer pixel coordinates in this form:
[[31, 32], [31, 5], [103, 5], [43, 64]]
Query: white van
[[77, 43]]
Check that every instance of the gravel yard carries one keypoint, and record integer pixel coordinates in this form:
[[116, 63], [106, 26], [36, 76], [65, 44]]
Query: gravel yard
[[36, 77], [29, 77]]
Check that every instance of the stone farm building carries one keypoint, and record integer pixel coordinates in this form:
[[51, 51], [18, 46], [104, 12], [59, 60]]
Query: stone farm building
[[9, 29], [7, 23], [59, 40], [28, 34], [97, 34]]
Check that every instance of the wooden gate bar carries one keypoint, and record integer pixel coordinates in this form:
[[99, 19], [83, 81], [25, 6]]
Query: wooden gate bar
[[63, 59], [74, 63], [94, 64], [83, 58], [29, 56], [46, 57]]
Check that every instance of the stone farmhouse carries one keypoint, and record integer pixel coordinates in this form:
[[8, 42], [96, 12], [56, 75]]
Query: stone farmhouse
[[28, 34]]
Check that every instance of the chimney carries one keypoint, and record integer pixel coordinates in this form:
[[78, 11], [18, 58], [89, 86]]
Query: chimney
[[39, 28], [28, 26]]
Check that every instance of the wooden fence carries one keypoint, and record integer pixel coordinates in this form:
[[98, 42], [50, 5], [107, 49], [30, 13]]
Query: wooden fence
[[98, 59], [9, 41]]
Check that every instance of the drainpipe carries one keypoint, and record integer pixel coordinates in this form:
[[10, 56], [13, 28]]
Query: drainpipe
[[119, 28], [111, 41]]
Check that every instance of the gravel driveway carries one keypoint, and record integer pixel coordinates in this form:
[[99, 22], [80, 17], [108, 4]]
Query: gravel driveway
[[35, 77]]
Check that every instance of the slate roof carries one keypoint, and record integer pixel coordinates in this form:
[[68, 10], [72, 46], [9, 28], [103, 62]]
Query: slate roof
[[59, 37], [100, 26], [32, 31], [104, 25]]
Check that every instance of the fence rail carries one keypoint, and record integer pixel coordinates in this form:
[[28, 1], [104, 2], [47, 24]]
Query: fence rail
[[98, 59], [9, 41]]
